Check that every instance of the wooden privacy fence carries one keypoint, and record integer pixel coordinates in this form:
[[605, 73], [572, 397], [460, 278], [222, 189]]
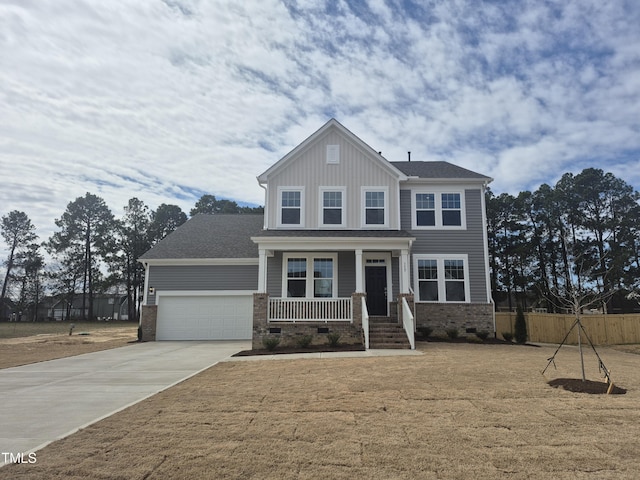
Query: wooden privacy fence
[[552, 327]]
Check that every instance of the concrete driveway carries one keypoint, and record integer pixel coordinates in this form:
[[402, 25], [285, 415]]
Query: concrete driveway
[[46, 401]]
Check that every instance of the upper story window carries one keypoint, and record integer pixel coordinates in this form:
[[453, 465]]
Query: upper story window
[[375, 204], [291, 207], [332, 207], [442, 278], [438, 209]]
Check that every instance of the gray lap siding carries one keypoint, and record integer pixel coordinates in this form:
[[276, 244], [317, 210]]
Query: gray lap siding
[[202, 277], [469, 241]]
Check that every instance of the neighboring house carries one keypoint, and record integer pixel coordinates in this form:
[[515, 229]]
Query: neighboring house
[[341, 224], [105, 307]]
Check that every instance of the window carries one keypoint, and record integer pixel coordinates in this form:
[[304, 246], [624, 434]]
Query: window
[[425, 209], [291, 207], [451, 212], [322, 277], [321, 283], [428, 280], [442, 278], [442, 209], [454, 280], [332, 207], [296, 277], [374, 201]]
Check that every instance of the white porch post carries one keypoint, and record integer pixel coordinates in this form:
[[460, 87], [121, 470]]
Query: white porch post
[[404, 272], [262, 270], [359, 270]]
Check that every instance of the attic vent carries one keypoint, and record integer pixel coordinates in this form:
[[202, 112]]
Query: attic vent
[[333, 154]]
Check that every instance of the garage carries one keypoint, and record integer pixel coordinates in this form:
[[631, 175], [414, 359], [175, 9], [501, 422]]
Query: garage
[[204, 317]]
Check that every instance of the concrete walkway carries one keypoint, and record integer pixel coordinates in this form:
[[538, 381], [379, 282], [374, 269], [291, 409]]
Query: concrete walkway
[[46, 401], [389, 352]]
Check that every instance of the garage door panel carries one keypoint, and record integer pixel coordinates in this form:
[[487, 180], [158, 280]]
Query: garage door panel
[[224, 317]]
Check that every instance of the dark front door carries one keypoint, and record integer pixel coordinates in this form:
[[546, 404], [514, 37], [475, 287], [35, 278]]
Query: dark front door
[[375, 279]]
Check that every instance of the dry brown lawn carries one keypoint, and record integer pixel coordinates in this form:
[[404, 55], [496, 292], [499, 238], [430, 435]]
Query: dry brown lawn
[[40, 347], [456, 412]]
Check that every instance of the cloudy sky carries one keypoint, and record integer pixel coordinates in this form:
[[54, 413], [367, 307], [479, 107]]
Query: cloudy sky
[[167, 100]]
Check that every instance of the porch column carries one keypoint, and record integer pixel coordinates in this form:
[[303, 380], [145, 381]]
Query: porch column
[[405, 281], [262, 270], [359, 270]]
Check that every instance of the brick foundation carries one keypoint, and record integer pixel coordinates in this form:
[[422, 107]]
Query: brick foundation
[[463, 316], [289, 333], [148, 318]]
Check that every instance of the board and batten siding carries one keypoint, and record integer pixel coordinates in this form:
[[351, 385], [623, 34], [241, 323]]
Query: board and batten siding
[[355, 170], [202, 277], [469, 241]]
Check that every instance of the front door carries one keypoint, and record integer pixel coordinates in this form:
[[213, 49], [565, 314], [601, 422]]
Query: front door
[[375, 279]]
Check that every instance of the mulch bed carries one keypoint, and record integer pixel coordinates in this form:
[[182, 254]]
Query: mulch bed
[[309, 349], [576, 385]]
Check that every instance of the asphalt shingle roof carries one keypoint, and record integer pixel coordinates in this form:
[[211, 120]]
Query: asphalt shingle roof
[[436, 170], [210, 236]]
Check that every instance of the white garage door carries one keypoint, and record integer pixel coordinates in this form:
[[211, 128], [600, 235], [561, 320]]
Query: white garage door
[[216, 317]]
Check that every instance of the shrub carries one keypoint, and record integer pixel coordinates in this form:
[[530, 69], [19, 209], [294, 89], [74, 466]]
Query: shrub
[[508, 336], [520, 327], [452, 333], [482, 335], [304, 341], [425, 331], [270, 343], [333, 339]]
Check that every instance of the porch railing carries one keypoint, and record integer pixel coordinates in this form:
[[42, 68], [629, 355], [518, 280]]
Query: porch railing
[[310, 310], [407, 322]]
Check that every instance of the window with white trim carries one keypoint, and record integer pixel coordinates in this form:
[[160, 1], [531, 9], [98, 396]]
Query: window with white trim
[[291, 212], [375, 207], [332, 211], [438, 208], [442, 278], [310, 275]]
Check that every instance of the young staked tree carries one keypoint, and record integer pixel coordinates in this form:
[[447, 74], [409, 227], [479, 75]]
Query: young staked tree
[[86, 227], [19, 234], [580, 290]]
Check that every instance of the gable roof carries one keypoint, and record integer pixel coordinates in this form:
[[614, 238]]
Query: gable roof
[[210, 236], [438, 170], [333, 123]]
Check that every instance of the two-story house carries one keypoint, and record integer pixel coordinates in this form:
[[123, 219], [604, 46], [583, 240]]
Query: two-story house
[[348, 241]]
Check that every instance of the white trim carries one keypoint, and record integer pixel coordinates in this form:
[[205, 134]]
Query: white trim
[[485, 241], [437, 192], [159, 262], [440, 258], [334, 243], [321, 191], [333, 154], [363, 206], [302, 208], [310, 257], [202, 293]]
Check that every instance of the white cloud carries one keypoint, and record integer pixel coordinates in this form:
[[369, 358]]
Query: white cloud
[[155, 98]]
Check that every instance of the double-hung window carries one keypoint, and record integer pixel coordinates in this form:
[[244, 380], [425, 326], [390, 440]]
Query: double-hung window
[[375, 203], [438, 208], [291, 201], [442, 278], [310, 275], [332, 207]]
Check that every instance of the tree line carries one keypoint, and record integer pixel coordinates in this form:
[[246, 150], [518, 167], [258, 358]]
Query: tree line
[[576, 239], [91, 252]]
